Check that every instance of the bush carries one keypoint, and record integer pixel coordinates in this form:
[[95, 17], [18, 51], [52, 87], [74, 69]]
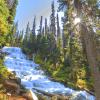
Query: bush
[[4, 73]]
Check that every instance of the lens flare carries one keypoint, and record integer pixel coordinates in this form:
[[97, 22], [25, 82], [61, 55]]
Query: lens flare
[[77, 20]]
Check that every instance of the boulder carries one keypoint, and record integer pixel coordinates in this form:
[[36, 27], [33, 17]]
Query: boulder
[[14, 73], [17, 80], [1, 54], [11, 86], [78, 96], [29, 95], [59, 97]]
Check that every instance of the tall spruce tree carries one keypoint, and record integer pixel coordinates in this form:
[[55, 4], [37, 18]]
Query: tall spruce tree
[[52, 19], [58, 27], [16, 28], [41, 25], [34, 26], [46, 27], [27, 33], [43, 32]]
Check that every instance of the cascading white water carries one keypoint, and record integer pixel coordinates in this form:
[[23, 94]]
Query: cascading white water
[[32, 77]]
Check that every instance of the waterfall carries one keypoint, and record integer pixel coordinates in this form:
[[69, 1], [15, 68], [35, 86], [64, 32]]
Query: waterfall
[[32, 77]]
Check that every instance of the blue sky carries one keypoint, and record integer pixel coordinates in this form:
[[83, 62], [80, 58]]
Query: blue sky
[[27, 9]]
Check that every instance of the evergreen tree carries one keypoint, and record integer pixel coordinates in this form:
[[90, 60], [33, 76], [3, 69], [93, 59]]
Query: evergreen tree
[[52, 19], [70, 63], [40, 27], [16, 28], [12, 4], [43, 32], [34, 26], [46, 27], [85, 10], [27, 33], [64, 32], [58, 27]]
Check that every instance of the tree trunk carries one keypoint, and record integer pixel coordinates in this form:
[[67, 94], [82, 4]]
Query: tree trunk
[[92, 57]]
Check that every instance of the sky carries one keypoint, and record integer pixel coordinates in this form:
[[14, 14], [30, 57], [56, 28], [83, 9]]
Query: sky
[[27, 9]]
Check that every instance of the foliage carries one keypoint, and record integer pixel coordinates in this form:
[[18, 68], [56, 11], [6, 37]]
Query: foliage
[[87, 11], [63, 58], [4, 73], [6, 21], [69, 67]]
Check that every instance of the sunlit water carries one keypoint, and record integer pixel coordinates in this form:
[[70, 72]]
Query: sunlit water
[[32, 77]]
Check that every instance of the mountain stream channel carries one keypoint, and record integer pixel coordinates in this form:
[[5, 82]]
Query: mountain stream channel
[[33, 78]]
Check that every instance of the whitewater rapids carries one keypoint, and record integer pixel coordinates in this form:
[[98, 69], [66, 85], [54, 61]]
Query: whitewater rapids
[[32, 77]]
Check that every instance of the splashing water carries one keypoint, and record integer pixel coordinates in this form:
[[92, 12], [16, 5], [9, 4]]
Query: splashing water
[[32, 77]]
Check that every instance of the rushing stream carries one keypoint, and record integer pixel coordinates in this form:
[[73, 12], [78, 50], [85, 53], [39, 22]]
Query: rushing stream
[[32, 77]]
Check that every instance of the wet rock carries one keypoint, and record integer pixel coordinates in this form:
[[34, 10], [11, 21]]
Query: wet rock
[[54, 98], [11, 86], [39, 80], [29, 96], [15, 79], [2, 54], [13, 72], [18, 80], [59, 97], [43, 97], [78, 96]]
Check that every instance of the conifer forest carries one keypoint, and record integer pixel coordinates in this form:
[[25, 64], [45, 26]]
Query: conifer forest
[[56, 58]]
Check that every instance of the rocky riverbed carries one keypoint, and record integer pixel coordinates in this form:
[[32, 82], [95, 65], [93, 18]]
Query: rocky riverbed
[[35, 80]]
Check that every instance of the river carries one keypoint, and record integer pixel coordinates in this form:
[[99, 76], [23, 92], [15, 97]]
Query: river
[[32, 77]]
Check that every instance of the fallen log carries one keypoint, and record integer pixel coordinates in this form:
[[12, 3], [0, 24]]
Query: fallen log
[[45, 93], [53, 96], [90, 92]]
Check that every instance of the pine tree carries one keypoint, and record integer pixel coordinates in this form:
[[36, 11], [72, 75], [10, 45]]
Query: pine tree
[[58, 27], [12, 4], [34, 26], [52, 19], [46, 27], [43, 32], [27, 33], [16, 28], [12, 38], [40, 27], [21, 35], [63, 37]]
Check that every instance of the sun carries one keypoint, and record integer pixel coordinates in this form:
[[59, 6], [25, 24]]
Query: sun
[[77, 20]]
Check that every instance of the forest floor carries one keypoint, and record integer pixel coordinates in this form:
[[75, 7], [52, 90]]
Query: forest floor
[[6, 97]]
